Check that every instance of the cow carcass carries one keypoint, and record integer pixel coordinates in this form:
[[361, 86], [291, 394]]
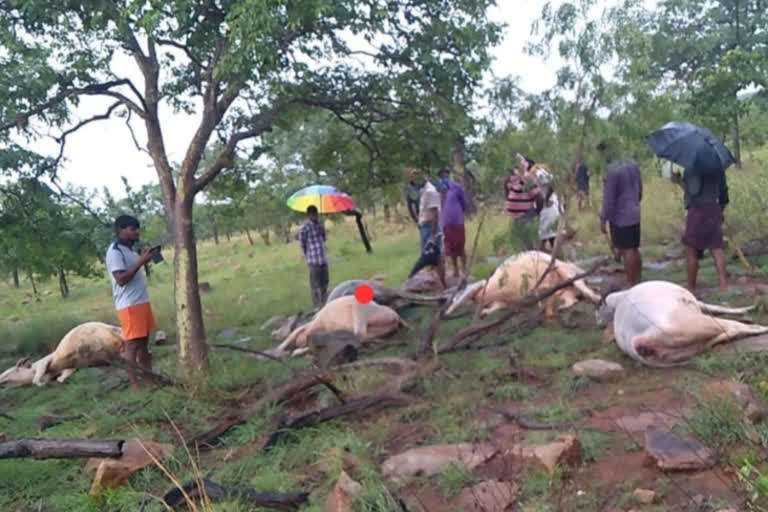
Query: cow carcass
[[85, 345], [517, 275], [660, 324], [367, 321]]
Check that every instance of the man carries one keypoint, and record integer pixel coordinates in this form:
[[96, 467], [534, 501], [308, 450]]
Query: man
[[130, 294], [582, 182], [454, 205], [705, 196], [622, 193], [312, 237], [428, 217]]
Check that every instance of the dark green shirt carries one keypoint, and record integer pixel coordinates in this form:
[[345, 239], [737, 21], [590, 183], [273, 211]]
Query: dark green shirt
[[701, 190]]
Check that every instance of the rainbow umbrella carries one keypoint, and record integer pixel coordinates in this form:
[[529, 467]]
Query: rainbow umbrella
[[327, 199]]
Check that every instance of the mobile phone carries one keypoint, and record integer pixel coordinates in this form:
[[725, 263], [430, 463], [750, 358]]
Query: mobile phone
[[158, 256]]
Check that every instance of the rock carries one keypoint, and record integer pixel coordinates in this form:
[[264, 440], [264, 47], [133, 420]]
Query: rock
[[161, 337], [13, 319], [204, 287], [564, 451], [490, 496], [241, 300], [599, 370], [113, 472], [343, 494], [430, 460], [229, 332], [642, 421], [644, 496], [754, 408], [673, 452]]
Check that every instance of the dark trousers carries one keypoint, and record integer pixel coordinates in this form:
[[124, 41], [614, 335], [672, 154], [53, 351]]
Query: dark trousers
[[318, 283]]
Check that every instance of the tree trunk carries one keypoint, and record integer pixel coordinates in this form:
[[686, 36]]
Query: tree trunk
[[34, 284], [228, 234], [264, 234], [458, 160], [16, 278], [737, 140], [60, 448], [387, 213], [190, 330], [286, 233], [63, 286], [248, 234], [215, 230]]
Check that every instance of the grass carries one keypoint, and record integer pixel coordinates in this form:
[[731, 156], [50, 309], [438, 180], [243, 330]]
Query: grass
[[252, 283]]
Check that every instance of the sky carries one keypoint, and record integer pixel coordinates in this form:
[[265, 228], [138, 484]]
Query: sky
[[98, 154]]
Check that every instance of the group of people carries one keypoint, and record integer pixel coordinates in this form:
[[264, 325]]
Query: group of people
[[705, 196], [439, 210]]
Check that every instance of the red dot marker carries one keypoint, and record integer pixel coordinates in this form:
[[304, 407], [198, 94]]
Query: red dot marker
[[364, 294]]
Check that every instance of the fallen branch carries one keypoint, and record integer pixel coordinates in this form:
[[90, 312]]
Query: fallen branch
[[365, 403], [275, 500], [527, 324], [432, 331], [156, 378], [280, 394], [60, 448], [514, 308]]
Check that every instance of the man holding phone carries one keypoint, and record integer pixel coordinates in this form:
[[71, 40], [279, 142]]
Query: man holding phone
[[130, 294]]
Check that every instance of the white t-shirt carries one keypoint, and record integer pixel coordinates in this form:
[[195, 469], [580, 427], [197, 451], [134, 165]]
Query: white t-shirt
[[430, 198]]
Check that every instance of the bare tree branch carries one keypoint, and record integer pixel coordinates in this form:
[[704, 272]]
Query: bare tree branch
[[182, 47]]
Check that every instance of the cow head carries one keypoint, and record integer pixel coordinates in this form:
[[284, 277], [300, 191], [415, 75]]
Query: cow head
[[19, 374], [606, 307]]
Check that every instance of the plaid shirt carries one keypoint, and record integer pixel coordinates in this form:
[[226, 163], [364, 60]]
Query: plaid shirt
[[312, 239]]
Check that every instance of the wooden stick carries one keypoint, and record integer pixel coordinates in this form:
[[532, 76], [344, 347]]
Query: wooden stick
[[60, 448], [275, 500]]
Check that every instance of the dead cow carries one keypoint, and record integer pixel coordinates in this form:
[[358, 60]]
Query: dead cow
[[518, 274], [660, 324], [83, 346], [368, 321]]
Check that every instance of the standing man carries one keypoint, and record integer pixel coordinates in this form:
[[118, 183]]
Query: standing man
[[312, 237], [454, 205], [130, 294], [705, 197], [428, 217], [582, 182], [622, 193]]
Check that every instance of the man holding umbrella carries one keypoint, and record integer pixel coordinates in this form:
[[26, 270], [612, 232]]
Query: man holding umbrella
[[705, 190], [705, 197], [312, 238]]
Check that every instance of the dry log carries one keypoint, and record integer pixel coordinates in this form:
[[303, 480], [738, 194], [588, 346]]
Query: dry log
[[279, 394], [60, 448], [275, 500], [365, 403]]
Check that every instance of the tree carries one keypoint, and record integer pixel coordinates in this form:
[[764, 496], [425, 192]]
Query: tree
[[44, 236], [715, 49], [241, 66]]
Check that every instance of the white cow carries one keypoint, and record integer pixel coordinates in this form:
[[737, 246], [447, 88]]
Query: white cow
[[368, 321], [518, 274], [84, 345], [663, 324]]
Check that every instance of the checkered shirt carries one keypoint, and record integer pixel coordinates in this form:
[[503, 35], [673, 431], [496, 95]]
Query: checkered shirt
[[312, 239]]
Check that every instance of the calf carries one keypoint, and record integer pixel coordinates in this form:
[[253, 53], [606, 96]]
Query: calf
[[516, 275], [659, 323]]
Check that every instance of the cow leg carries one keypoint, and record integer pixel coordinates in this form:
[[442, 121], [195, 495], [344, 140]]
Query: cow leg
[[492, 308], [66, 374], [609, 334]]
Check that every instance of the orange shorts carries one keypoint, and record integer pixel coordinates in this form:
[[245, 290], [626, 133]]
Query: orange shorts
[[136, 321]]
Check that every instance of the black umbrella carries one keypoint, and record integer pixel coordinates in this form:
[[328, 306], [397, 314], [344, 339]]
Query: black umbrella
[[690, 147]]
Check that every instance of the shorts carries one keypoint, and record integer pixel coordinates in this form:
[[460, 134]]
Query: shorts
[[454, 240], [625, 237], [136, 321], [704, 227]]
